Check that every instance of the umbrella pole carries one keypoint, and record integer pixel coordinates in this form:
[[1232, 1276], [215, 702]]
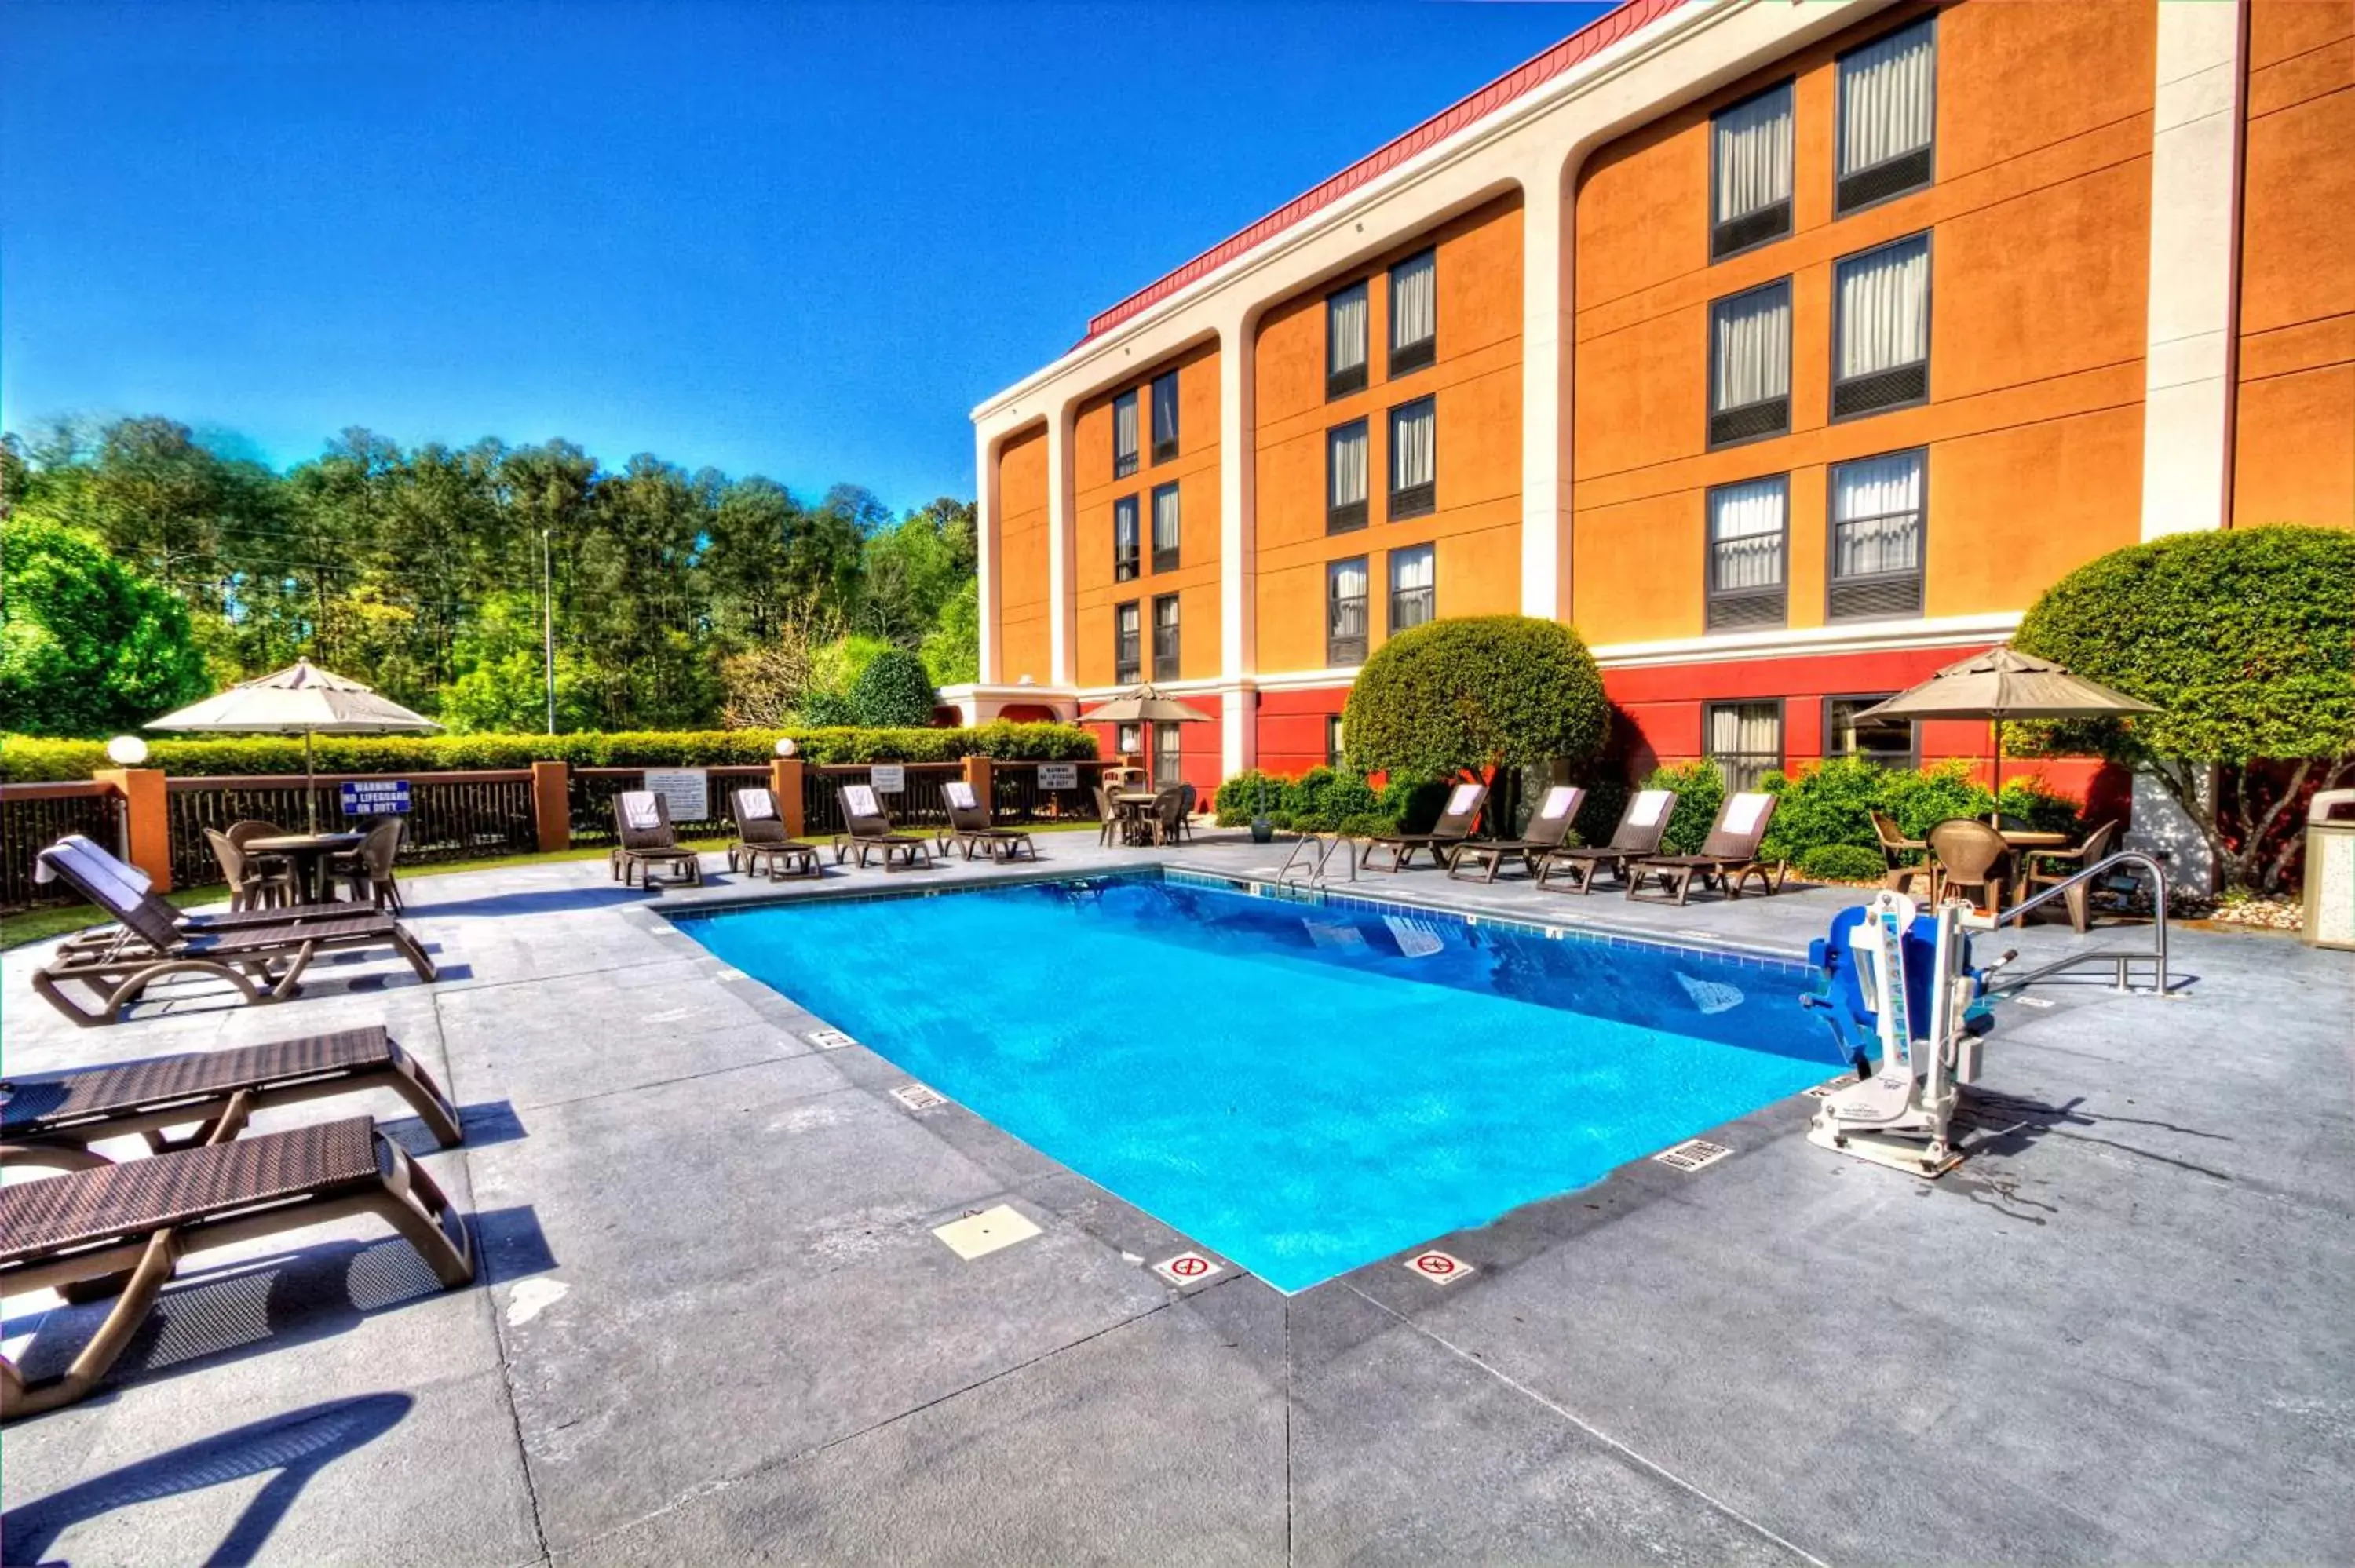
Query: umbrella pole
[[310, 783], [1996, 726]]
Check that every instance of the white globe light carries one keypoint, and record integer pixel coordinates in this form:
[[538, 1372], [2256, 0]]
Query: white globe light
[[126, 751], [787, 747]]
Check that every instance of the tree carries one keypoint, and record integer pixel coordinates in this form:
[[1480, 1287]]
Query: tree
[[893, 691], [2245, 641], [88, 647], [952, 649]]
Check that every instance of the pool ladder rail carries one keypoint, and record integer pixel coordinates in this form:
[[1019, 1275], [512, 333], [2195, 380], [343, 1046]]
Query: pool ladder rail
[[2122, 960], [1319, 851]]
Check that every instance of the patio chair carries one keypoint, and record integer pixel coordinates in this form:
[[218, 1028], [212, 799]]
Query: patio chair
[[970, 827], [2051, 868], [247, 829], [868, 830], [762, 839], [1638, 835], [52, 1118], [1728, 857], [1894, 847], [255, 882], [645, 842], [135, 1220], [1967, 852], [128, 887], [1165, 820], [1548, 826], [368, 870], [1455, 825], [1108, 818]]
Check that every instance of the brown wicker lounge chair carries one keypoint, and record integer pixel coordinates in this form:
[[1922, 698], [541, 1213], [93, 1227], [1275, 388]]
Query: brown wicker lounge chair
[[127, 887], [1455, 825], [867, 830], [52, 1118], [261, 962], [1728, 857], [1638, 835], [1548, 826], [135, 1220], [762, 844], [970, 827], [644, 841]]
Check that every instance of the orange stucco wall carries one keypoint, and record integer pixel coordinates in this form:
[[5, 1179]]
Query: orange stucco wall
[[2040, 224], [1195, 472], [1477, 383], [1024, 642], [2295, 438]]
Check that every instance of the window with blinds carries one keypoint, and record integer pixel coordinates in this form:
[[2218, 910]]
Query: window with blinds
[[1165, 528], [1887, 117], [1127, 667], [1345, 342], [1414, 313], [1123, 539], [1165, 638], [1745, 741], [1345, 612], [1345, 477], [1414, 592], [1169, 761], [1889, 742], [1415, 458], [1127, 738], [1334, 748], [1748, 543], [1880, 329], [1879, 509], [1165, 416], [1750, 364], [1749, 173], [1124, 435]]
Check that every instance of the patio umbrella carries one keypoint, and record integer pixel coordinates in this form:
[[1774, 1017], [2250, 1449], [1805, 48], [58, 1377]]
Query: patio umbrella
[[2005, 683], [300, 699], [1145, 706]]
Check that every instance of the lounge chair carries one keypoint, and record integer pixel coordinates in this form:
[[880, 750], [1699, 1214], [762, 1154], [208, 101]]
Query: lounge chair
[[762, 839], [1455, 825], [1547, 828], [970, 827], [865, 830], [52, 1118], [124, 885], [263, 962], [1728, 857], [646, 843], [1638, 835], [135, 1220]]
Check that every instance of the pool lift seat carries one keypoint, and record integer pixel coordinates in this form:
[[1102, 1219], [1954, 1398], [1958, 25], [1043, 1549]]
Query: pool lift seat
[[1904, 979]]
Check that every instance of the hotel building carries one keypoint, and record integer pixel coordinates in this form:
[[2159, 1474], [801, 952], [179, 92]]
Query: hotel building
[[1786, 351]]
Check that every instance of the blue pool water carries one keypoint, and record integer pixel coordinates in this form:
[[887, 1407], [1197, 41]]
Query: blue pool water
[[1302, 1088]]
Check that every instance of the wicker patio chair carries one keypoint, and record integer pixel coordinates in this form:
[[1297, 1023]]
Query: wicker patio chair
[[1548, 826], [1638, 835], [869, 830], [644, 841], [368, 870], [255, 882], [1455, 825], [2049, 868], [1728, 857], [761, 840], [970, 827], [1967, 852]]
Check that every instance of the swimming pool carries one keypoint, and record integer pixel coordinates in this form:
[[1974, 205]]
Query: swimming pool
[[1304, 1087]]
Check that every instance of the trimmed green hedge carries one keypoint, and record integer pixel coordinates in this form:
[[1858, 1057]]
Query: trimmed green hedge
[[1841, 863], [24, 759], [1475, 692]]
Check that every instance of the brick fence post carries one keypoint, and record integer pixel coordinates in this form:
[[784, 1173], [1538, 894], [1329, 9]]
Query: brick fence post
[[786, 784], [551, 805], [146, 819], [978, 774]]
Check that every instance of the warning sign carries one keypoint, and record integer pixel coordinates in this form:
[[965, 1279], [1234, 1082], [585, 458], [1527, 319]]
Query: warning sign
[[1187, 1268], [1439, 1267]]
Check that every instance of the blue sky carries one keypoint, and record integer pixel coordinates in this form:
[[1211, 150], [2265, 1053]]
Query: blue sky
[[799, 240]]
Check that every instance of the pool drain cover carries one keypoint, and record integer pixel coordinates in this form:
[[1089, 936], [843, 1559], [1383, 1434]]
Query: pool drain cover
[[1692, 1154], [829, 1039], [916, 1097]]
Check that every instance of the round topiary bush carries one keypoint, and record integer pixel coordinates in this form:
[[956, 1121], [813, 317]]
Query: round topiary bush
[[893, 690], [1488, 691], [1841, 863]]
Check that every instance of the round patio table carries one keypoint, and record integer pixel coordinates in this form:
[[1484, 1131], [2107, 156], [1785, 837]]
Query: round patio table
[[1131, 804], [309, 854]]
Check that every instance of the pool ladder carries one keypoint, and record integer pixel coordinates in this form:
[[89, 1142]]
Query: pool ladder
[[2122, 960], [1319, 856]]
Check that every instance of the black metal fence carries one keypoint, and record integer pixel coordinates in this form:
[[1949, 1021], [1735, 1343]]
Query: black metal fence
[[452, 816], [35, 816], [589, 793]]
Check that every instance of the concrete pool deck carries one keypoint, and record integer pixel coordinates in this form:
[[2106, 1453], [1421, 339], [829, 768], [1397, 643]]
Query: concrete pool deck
[[713, 1325]]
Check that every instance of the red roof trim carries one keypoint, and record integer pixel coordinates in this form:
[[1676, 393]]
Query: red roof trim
[[1587, 42]]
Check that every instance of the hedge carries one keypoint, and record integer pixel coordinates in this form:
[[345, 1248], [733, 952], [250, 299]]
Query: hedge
[[1832, 804], [1475, 693], [1701, 790], [24, 759]]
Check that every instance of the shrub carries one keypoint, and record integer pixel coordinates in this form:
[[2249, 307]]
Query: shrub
[[1825, 807], [1412, 805], [1306, 794], [828, 710], [1840, 863], [1921, 800], [1701, 790], [1367, 825], [1598, 814], [893, 691], [1472, 693], [87, 645], [1245, 794]]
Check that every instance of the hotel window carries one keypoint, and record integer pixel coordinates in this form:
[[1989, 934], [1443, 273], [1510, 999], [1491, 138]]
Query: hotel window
[[1123, 539], [1414, 590], [1745, 741], [1127, 669], [1127, 739], [1169, 763], [1165, 638], [1750, 364], [1333, 752], [1749, 173], [1415, 458], [1165, 528], [1345, 342], [1414, 313], [1887, 741], [1880, 330], [1124, 435], [1746, 548], [1165, 416], [1878, 509], [1345, 477], [1345, 613], [1888, 116]]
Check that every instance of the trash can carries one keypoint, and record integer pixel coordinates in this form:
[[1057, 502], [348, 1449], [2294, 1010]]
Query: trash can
[[2330, 870]]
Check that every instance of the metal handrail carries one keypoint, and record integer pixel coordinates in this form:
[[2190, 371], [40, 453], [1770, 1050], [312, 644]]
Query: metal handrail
[[2124, 958]]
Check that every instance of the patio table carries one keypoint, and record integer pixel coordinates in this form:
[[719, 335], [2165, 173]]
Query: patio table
[[309, 854]]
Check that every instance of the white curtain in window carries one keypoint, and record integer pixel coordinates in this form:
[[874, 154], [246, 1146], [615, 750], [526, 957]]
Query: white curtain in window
[[1884, 309], [1345, 330], [1164, 519], [1124, 426], [1124, 526], [1165, 409], [1754, 155], [1754, 347], [1411, 569], [1415, 300], [1739, 729], [1414, 433], [1745, 534], [1887, 108], [1877, 515], [1348, 579], [1346, 463]]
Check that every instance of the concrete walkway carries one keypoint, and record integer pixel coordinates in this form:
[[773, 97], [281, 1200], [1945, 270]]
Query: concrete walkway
[[713, 1325]]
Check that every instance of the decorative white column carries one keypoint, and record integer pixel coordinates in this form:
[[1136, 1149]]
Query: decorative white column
[[2194, 145], [1546, 354], [1059, 627], [986, 524], [1238, 545]]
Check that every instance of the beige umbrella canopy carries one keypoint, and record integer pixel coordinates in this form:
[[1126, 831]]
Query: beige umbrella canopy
[[1144, 704], [299, 700], [2005, 683]]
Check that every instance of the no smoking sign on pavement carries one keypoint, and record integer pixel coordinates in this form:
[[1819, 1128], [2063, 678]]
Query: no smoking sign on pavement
[[1439, 1267], [1187, 1268]]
